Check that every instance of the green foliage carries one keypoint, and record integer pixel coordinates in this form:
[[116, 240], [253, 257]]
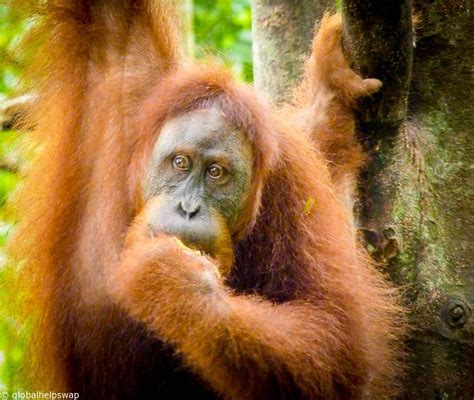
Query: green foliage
[[12, 26], [223, 28]]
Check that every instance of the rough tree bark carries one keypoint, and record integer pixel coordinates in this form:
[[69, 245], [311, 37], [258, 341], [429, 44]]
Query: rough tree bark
[[416, 193]]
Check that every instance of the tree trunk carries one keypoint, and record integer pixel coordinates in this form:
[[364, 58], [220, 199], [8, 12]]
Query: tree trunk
[[282, 34], [416, 193]]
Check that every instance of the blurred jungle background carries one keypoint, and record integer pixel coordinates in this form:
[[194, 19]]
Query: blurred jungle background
[[221, 29]]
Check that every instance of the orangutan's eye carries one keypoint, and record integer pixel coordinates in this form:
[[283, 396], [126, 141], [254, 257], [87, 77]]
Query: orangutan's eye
[[215, 171], [182, 163]]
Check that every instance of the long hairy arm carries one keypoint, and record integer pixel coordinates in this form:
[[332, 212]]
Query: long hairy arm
[[92, 63], [89, 64], [89, 46]]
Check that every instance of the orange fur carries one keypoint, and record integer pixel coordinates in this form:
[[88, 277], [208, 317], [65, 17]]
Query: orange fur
[[302, 313]]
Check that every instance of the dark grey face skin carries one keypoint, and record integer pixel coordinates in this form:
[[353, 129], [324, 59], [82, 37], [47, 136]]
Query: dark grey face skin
[[201, 170]]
